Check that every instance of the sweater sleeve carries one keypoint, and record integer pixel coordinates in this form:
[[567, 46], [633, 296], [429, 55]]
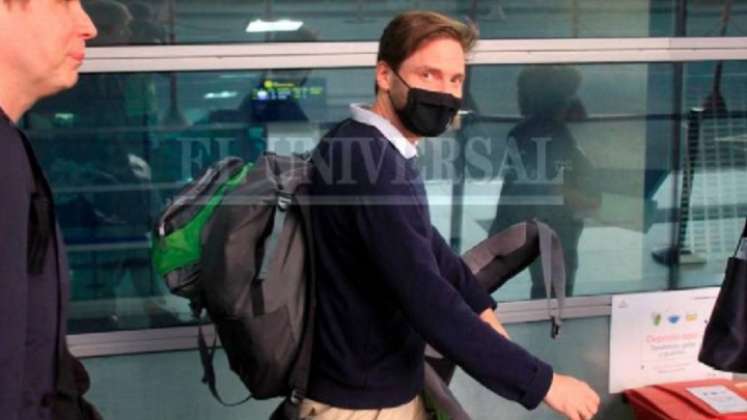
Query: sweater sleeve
[[13, 275], [453, 269], [398, 238]]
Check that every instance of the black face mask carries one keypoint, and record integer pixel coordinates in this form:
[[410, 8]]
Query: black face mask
[[427, 113]]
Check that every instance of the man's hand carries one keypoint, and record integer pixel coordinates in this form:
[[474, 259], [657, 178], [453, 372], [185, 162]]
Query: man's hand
[[572, 398]]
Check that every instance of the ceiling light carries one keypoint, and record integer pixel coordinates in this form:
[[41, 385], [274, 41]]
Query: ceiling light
[[282, 25]]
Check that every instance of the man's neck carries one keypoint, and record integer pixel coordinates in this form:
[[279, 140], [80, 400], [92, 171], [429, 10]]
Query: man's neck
[[13, 100], [383, 107]]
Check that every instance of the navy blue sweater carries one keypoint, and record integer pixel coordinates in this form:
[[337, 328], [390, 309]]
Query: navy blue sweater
[[388, 283]]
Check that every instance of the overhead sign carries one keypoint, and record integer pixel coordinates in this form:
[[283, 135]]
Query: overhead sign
[[655, 338]]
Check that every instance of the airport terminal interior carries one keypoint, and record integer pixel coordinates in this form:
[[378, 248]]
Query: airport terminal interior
[[647, 186]]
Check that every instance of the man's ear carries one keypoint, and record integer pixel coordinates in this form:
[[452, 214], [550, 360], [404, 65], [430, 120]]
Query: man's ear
[[383, 76]]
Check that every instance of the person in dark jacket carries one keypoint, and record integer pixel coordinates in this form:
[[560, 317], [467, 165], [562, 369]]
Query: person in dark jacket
[[387, 280], [565, 185], [42, 45]]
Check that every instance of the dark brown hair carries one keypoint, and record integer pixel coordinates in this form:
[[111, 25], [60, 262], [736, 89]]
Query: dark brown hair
[[406, 32], [545, 89]]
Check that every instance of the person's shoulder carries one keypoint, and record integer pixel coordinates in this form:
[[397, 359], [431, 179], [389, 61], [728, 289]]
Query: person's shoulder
[[353, 138], [529, 131], [359, 153], [350, 128]]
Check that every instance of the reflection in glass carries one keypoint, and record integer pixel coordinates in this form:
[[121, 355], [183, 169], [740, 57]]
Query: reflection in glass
[[716, 18], [547, 176], [137, 22], [654, 178], [713, 198], [583, 147], [232, 21], [115, 155]]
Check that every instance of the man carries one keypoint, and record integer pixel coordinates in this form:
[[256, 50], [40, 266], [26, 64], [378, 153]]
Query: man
[[42, 44], [387, 281]]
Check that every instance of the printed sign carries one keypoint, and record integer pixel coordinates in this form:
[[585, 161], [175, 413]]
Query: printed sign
[[655, 338]]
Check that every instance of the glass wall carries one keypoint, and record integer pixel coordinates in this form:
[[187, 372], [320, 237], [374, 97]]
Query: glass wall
[[610, 155], [232, 21], [167, 386], [118, 146], [716, 18]]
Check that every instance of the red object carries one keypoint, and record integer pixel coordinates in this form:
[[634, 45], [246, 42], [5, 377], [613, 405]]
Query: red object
[[673, 401]]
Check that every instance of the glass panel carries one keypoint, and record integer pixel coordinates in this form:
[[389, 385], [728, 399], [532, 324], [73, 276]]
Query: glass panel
[[164, 379], [581, 148], [232, 21], [591, 149], [155, 386], [118, 146], [717, 18], [713, 200], [581, 349]]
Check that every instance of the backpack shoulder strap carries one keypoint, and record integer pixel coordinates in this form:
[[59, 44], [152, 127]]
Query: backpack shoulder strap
[[439, 398], [41, 217], [291, 175], [500, 244], [206, 358], [553, 272], [519, 241], [301, 371]]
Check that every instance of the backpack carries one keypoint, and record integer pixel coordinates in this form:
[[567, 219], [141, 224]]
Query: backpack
[[235, 243]]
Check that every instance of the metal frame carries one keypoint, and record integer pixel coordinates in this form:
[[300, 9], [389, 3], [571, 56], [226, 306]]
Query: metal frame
[[185, 338], [363, 54], [132, 342]]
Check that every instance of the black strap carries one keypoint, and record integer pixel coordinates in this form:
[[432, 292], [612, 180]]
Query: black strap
[[489, 255], [439, 395], [41, 214], [206, 358], [553, 272], [300, 376], [290, 408]]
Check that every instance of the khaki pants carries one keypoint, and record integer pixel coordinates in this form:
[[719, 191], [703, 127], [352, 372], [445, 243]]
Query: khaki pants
[[313, 410]]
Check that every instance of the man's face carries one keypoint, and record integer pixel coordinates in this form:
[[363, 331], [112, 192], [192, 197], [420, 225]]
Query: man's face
[[438, 65], [43, 42]]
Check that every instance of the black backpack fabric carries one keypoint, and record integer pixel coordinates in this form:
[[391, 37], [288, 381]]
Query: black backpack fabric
[[257, 279]]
